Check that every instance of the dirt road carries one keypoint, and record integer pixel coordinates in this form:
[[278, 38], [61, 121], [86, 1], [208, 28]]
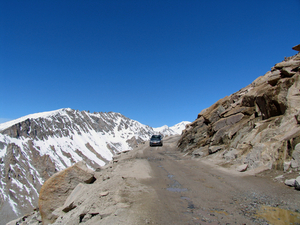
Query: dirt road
[[160, 185], [190, 191]]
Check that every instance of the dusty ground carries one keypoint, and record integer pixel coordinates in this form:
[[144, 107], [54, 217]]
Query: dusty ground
[[160, 185], [182, 190]]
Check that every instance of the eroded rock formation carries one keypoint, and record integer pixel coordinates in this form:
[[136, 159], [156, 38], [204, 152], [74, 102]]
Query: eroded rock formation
[[57, 188], [257, 126]]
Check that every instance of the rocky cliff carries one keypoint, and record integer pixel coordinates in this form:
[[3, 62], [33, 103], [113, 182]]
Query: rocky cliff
[[257, 127]]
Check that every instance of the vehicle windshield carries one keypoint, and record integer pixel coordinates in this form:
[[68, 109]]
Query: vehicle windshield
[[155, 138]]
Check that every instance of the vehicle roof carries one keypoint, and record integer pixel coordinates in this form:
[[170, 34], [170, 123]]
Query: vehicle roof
[[156, 136]]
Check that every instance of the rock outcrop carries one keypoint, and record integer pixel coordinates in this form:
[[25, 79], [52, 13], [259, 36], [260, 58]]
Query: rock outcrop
[[57, 188], [256, 127]]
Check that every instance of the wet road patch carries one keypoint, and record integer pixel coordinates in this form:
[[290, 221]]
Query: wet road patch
[[279, 216], [175, 186], [177, 189]]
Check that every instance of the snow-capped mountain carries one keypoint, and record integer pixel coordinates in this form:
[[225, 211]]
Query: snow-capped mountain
[[168, 131], [34, 147]]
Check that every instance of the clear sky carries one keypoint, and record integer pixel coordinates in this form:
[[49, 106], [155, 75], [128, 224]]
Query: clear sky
[[156, 61]]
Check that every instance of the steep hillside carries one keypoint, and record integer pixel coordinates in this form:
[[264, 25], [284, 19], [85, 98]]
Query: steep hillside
[[34, 147], [257, 127]]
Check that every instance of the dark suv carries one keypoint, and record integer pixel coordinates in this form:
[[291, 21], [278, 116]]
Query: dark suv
[[156, 140]]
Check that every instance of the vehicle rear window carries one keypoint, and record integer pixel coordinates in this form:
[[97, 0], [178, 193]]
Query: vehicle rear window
[[155, 138]]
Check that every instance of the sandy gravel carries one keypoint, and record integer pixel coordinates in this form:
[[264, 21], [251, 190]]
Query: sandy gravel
[[160, 185], [182, 190]]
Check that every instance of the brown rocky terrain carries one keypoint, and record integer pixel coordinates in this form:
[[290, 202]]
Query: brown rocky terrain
[[161, 185], [228, 167], [257, 127]]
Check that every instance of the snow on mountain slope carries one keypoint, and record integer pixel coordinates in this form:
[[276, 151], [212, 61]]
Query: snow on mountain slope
[[34, 147], [168, 131], [31, 116]]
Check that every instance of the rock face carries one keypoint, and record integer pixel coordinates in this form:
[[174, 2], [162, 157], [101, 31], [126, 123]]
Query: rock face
[[258, 126], [57, 188]]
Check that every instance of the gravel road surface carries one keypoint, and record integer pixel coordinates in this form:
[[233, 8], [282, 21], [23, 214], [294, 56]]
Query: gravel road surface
[[192, 191]]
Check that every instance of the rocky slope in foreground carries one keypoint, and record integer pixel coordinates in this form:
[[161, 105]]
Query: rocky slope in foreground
[[255, 128]]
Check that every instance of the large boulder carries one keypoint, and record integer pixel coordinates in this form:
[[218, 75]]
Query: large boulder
[[57, 188], [242, 168], [227, 121], [290, 182]]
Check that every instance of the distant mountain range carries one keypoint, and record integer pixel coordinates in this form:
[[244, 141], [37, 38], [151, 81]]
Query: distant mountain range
[[34, 147]]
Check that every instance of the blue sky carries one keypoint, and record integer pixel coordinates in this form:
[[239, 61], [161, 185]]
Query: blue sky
[[158, 62]]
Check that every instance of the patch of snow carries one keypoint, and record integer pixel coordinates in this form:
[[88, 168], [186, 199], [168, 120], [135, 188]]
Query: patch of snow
[[13, 205], [18, 183], [176, 129], [179, 127], [8, 124]]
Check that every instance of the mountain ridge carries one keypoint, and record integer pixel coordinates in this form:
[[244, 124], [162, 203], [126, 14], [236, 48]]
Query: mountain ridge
[[34, 147], [12, 122]]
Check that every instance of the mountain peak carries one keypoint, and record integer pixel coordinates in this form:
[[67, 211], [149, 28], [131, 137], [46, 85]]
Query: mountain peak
[[174, 130], [33, 116]]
